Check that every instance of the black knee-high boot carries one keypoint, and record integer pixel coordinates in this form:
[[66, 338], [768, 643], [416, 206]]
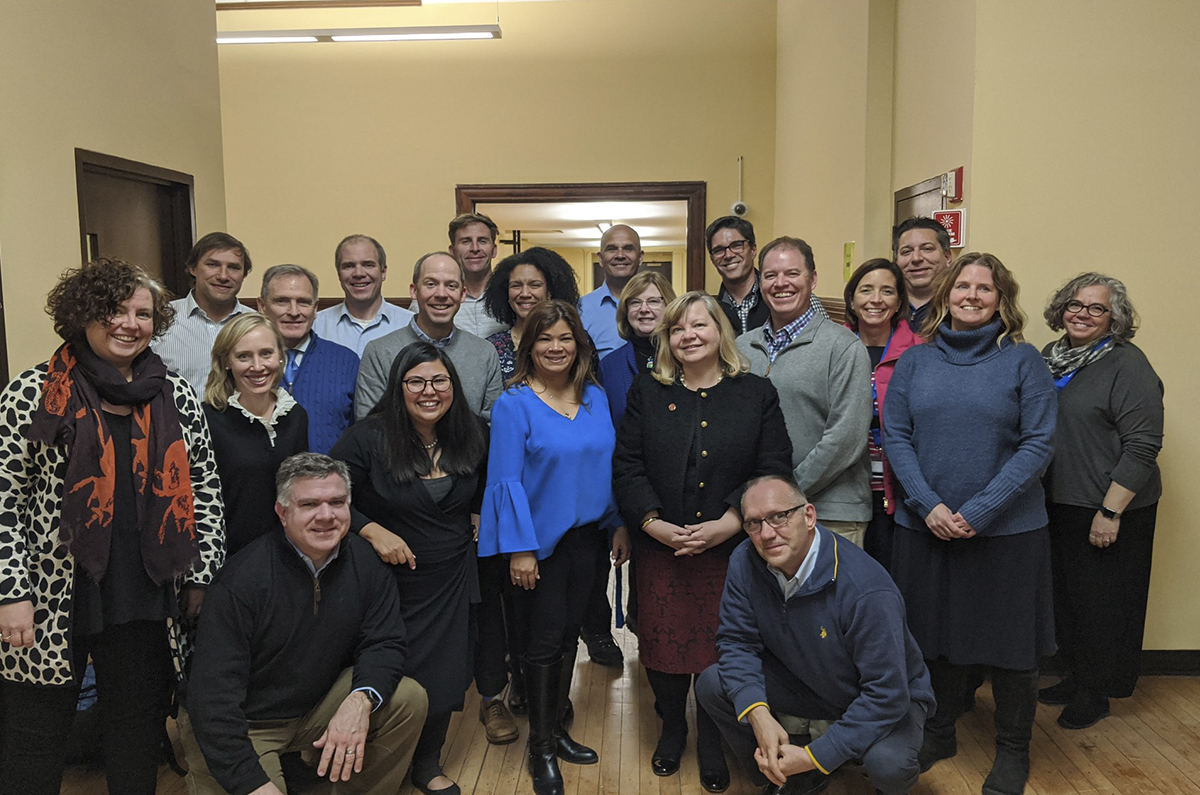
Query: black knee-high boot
[[569, 750], [541, 689], [670, 695], [1016, 706], [949, 688]]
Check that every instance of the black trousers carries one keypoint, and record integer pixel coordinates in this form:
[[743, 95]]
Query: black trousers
[[553, 611], [877, 540], [597, 619], [133, 679], [1100, 596], [496, 627]]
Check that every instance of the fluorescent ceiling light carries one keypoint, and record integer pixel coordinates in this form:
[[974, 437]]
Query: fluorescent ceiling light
[[428, 33], [266, 39]]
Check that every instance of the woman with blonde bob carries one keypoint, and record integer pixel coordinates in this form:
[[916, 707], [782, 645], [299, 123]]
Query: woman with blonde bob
[[255, 425], [696, 428], [968, 428]]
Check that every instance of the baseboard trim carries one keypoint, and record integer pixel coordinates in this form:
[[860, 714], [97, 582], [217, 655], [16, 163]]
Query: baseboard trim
[[1155, 662]]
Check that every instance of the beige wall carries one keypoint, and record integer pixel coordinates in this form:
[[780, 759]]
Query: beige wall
[[934, 94], [322, 140], [1085, 158], [136, 79], [833, 129]]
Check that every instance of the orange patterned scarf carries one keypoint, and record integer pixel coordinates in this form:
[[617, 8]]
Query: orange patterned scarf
[[70, 414]]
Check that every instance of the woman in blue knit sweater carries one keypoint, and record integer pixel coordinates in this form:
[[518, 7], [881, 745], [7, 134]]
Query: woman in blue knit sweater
[[968, 429]]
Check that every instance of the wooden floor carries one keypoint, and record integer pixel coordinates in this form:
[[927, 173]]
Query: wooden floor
[[1150, 744]]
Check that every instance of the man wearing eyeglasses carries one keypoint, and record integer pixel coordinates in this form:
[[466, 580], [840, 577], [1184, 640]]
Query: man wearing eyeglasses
[[730, 243], [620, 258], [813, 626]]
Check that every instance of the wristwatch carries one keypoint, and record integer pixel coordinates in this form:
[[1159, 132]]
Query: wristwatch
[[372, 696], [1108, 513]]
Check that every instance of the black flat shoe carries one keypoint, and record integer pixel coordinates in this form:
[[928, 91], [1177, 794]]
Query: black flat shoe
[[1086, 709], [667, 753], [1058, 695], [715, 780], [604, 651]]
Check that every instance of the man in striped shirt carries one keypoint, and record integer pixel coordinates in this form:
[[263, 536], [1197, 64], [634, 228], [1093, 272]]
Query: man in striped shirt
[[219, 264]]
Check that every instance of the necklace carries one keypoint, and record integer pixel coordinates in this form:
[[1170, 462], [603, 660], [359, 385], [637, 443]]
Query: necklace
[[683, 381], [547, 393], [430, 446]]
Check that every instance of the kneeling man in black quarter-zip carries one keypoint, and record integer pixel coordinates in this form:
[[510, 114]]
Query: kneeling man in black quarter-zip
[[301, 648]]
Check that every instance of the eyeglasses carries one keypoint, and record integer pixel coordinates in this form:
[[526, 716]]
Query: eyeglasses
[[776, 520], [737, 247], [416, 385], [635, 304], [1095, 310]]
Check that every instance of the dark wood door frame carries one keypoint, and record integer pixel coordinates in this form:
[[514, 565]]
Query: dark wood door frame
[[694, 193], [183, 210]]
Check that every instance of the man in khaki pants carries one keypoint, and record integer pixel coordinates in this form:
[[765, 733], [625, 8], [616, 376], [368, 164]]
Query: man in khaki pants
[[301, 648]]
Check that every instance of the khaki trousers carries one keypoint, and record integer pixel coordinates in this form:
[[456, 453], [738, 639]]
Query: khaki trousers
[[392, 736], [851, 531]]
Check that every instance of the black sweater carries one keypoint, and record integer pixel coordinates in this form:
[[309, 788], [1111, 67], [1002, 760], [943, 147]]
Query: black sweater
[[272, 641], [247, 463]]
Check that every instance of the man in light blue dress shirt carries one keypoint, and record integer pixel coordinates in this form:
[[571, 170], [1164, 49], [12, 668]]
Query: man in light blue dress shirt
[[364, 316], [219, 263], [620, 258]]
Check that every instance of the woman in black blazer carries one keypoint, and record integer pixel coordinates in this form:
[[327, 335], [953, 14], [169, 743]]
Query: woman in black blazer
[[696, 428]]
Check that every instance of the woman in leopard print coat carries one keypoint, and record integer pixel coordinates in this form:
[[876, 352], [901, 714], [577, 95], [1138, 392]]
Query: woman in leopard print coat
[[110, 526]]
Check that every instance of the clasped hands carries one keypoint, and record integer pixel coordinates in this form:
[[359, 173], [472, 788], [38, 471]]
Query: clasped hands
[[775, 755], [948, 526]]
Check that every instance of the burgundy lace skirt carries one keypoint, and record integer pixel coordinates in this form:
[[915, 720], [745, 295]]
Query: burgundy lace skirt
[[679, 605]]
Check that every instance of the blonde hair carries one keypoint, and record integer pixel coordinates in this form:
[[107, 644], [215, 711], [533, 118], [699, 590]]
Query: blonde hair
[[666, 367], [220, 385], [636, 286], [1012, 319]]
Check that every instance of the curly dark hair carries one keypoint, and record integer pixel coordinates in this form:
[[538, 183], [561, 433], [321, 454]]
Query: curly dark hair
[[95, 292], [560, 282]]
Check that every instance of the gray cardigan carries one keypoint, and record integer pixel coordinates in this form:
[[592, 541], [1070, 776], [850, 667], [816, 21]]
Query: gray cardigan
[[475, 359], [824, 384], [1110, 427]]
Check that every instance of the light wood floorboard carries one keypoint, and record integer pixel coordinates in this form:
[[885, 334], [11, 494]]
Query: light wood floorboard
[[1149, 745]]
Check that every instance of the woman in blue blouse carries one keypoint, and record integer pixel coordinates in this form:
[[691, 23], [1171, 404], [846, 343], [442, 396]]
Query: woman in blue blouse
[[547, 506], [968, 427]]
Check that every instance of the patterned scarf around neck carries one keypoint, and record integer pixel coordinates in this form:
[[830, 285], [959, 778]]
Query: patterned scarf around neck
[[70, 414], [1063, 359]]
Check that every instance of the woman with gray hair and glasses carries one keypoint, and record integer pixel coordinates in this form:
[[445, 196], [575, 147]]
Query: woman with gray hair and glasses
[[1102, 487]]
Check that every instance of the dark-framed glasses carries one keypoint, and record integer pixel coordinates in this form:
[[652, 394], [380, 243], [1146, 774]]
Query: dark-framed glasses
[[776, 520], [635, 304], [416, 384], [1095, 310], [737, 247]]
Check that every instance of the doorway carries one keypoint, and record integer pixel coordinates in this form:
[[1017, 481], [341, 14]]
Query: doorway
[[135, 212], [691, 195]]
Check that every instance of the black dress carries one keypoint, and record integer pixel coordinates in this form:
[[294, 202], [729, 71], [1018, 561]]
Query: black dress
[[247, 462], [436, 597]]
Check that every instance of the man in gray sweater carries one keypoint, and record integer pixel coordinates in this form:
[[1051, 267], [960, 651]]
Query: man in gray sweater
[[437, 291], [823, 375]]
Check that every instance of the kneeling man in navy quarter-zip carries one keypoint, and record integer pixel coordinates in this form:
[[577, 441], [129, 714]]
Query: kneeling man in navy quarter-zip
[[301, 648], [812, 626]]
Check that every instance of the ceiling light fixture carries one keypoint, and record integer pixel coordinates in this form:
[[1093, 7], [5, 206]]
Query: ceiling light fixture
[[428, 33]]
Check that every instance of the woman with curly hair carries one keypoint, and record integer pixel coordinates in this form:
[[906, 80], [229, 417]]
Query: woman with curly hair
[[968, 428], [110, 528], [1103, 487], [520, 283], [696, 428], [255, 425]]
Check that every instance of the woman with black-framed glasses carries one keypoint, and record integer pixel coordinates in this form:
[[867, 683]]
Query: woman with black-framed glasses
[[1103, 487], [416, 464]]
